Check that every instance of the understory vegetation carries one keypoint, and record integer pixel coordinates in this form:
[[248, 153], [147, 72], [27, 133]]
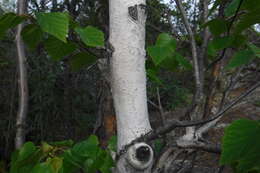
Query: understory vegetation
[[203, 72]]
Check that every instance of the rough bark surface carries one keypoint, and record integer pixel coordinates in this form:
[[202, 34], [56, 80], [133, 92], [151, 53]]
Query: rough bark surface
[[127, 36], [128, 80]]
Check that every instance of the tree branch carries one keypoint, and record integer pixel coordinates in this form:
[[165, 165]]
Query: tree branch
[[175, 123], [193, 45], [22, 81]]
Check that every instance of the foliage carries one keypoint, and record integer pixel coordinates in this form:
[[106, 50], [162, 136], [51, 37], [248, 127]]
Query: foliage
[[71, 43], [241, 146], [63, 157]]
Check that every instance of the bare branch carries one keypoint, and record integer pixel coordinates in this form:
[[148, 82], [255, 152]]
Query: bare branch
[[212, 148], [175, 123], [22, 81], [193, 45]]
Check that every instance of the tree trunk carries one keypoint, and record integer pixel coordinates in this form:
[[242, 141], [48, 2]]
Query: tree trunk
[[22, 81], [128, 82]]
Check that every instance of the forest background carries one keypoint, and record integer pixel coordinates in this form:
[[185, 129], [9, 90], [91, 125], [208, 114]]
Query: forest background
[[69, 95]]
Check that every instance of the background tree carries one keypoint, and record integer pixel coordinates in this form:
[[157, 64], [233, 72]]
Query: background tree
[[227, 56]]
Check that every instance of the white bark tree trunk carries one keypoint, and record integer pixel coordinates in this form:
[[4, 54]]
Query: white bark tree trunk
[[128, 81]]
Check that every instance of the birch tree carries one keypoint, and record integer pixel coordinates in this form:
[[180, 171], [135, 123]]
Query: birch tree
[[128, 80]]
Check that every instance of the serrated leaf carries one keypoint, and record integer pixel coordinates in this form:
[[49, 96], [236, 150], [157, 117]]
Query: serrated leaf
[[241, 58], [32, 35], [241, 144], [87, 148], [91, 36], [217, 26], [255, 49], [26, 151], [82, 60], [58, 49], [55, 23], [231, 8]]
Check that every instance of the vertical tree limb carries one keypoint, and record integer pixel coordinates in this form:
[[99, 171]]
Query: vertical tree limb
[[22, 80], [198, 103]]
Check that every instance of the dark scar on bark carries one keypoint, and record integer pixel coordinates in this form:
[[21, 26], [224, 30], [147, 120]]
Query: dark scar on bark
[[143, 154], [133, 12]]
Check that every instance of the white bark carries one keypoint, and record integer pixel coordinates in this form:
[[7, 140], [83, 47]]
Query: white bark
[[128, 78], [127, 36]]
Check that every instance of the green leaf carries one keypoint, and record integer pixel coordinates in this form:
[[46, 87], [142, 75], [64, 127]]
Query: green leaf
[[55, 23], [91, 36], [8, 21], [159, 53], [26, 151], [220, 43], [32, 35], [82, 60], [241, 58], [170, 63], [166, 40], [217, 26], [108, 163], [112, 143], [182, 61], [164, 47], [255, 49], [238, 40], [87, 148], [153, 76], [58, 49], [247, 20], [46, 148], [89, 166], [72, 161], [232, 8], [241, 144], [42, 168], [56, 164], [251, 5]]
